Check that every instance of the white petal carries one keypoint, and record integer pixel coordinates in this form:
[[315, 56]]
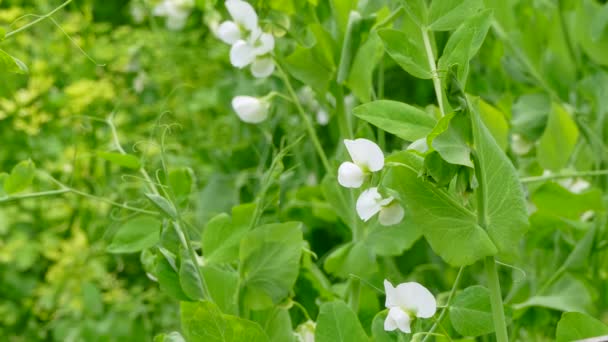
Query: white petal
[[365, 153], [250, 109], [176, 22], [264, 44], [322, 117], [368, 203], [579, 186], [350, 175], [241, 54], [391, 295], [243, 13], [419, 145], [228, 32], [417, 299], [391, 214], [397, 319], [519, 145], [262, 67]]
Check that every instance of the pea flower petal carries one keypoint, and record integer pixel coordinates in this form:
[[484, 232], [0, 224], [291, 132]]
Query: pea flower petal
[[391, 214], [369, 203], [242, 13], [350, 175], [228, 32], [397, 319], [262, 67], [365, 153], [241, 54], [250, 109], [411, 297], [263, 44]]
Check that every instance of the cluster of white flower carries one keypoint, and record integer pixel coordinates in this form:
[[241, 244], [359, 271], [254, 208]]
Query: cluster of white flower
[[250, 45], [367, 157], [406, 302], [176, 12]]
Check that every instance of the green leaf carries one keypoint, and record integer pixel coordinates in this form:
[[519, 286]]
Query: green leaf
[[340, 199], [276, 323], [559, 139], [189, 277], [464, 44], [407, 50], [9, 63], [393, 240], [305, 65], [222, 235], [579, 258], [574, 326], [551, 198], [3, 177], [449, 227], [451, 144], [20, 178], [181, 181], [338, 323], [270, 261], [506, 212], [204, 322], [417, 11], [530, 113], [167, 275], [495, 121], [135, 235], [173, 336], [362, 71], [405, 121], [222, 283], [568, 294], [471, 312], [163, 204], [125, 160], [445, 15], [351, 258]]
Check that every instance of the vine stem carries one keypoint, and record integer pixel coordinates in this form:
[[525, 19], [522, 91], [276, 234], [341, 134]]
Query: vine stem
[[447, 305], [434, 74], [41, 18], [307, 123], [564, 175]]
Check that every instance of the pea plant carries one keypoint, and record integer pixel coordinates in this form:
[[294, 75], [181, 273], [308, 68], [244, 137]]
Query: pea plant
[[406, 170]]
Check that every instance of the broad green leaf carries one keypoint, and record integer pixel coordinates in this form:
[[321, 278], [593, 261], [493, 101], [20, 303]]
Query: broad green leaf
[[305, 65], [181, 181], [135, 235], [417, 11], [222, 235], [445, 15], [3, 177], [574, 326], [168, 277], [270, 261], [464, 44], [222, 283], [588, 13], [204, 322], [163, 204], [338, 323], [471, 312], [189, 277], [506, 215], [340, 10], [581, 254], [340, 199], [567, 294], [393, 240], [173, 336], [449, 227], [405, 121], [351, 258], [407, 50], [551, 198], [495, 121], [440, 170], [559, 139], [20, 178], [530, 113], [9, 63], [451, 144], [124, 160], [362, 71], [276, 323]]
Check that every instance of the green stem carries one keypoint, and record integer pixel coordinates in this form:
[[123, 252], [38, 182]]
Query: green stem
[[355, 291], [388, 20], [564, 175], [447, 305], [346, 56], [344, 121], [307, 123], [41, 18], [12, 198], [185, 240], [434, 74], [498, 313]]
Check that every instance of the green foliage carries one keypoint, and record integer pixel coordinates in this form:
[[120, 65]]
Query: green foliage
[[470, 312], [135, 235], [577, 326], [337, 322]]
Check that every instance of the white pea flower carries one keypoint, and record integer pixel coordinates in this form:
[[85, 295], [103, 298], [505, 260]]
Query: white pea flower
[[370, 202], [244, 19], [519, 145], [419, 145], [255, 51], [305, 332], [322, 117], [367, 157], [406, 302], [176, 12], [250, 109]]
